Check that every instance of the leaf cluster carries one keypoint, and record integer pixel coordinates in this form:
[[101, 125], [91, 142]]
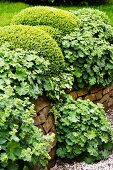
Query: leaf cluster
[[96, 22], [29, 74], [83, 130], [22, 144], [90, 50], [90, 15], [24, 76], [91, 58]]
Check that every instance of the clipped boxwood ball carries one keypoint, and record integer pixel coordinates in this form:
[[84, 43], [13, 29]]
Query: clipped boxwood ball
[[53, 32], [33, 38], [57, 18]]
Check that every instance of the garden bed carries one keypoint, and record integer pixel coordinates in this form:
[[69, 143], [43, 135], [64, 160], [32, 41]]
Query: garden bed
[[48, 65]]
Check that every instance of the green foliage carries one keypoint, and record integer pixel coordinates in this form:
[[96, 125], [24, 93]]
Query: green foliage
[[95, 21], [83, 130], [90, 15], [24, 71], [57, 18], [91, 59], [53, 32], [29, 76], [24, 76], [21, 143], [89, 50], [56, 85], [34, 38]]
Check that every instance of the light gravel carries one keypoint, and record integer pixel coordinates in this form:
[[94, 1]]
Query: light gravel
[[101, 165]]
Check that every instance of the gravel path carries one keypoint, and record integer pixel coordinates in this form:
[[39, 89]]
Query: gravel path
[[102, 165]]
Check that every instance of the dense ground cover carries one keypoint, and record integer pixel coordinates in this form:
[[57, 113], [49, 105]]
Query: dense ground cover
[[7, 10]]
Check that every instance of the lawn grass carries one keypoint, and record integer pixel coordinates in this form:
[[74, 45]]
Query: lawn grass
[[7, 10], [109, 11]]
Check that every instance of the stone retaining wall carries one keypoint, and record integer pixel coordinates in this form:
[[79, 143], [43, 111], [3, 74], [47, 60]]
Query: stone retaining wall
[[45, 121], [97, 95]]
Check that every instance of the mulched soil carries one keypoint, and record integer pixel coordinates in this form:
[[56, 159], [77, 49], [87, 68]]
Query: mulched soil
[[101, 165]]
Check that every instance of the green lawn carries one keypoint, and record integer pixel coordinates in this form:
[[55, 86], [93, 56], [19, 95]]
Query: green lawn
[[7, 10]]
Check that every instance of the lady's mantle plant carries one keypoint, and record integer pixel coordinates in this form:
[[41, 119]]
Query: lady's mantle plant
[[83, 130], [90, 57], [89, 50], [24, 76], [29, 74], [22, 145], [96, 22]]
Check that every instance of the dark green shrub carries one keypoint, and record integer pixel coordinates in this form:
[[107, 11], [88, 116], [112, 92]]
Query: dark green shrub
[[33, 38], [56, 18], [98, 2], [64, 2], [83, 130]]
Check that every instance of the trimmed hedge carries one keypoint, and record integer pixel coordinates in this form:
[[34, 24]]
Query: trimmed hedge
[[33, 38], [53, 32], [57, 18]]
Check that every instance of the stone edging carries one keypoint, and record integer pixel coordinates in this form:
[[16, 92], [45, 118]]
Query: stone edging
[[102, 95]]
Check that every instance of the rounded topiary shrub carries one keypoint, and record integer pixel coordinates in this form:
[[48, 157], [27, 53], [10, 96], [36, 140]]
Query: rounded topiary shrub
[[57, 18], [53, 32], [33, 38], [83, 131]]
